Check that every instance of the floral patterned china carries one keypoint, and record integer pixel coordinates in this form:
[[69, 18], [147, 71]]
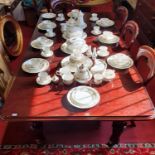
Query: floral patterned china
[[105, 22], [35, 65], [48, 15], [120, 61], [46, 24], [83, 97], [41, 42], [102, 51]]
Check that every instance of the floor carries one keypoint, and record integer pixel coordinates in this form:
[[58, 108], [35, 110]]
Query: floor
[[72, 132]]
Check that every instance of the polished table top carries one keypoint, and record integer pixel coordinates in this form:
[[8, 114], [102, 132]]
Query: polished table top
[[122, 99]]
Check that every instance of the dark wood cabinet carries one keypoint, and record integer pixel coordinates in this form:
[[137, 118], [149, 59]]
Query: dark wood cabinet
[[145, 17]]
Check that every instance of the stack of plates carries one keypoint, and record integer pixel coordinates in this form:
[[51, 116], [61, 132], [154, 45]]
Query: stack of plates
[[83, 97], [120, 61]]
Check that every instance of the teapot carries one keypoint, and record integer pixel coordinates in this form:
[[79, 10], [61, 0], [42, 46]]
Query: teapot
[[83, 73]]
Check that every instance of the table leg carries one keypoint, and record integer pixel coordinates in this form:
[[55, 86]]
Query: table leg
[[37, 127], [117, 130]]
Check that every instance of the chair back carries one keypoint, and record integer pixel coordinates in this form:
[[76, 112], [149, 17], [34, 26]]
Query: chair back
[[62, 5], [11, 36], [121, 16], [129, 33], [146, 62]]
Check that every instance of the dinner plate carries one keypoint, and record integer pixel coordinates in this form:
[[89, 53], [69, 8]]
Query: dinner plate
[[83, 97], [105, 22], [84, 35], [41, 42], [48, 15], [65, 50], [35, 65], [114, 40], [120, 61], [73, 66], [46, 24]]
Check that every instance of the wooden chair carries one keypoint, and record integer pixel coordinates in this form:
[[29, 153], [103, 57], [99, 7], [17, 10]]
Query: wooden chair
[[146, 63], [129, 34], [121, 16], [58, 6], [11, 37], [6, 78]]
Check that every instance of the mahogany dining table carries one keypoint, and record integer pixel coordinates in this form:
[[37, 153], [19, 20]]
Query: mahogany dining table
[[123, 99]]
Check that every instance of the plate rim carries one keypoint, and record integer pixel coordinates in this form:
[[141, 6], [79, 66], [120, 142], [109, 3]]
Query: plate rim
[[88, 106], [130, 59], [44, 29], [104, 42], [34, 72], [54, 15]]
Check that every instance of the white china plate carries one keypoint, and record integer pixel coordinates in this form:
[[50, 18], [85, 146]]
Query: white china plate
[[35, 65], [105, 22], [46, 24], [114, 40], [93, 19], [83, 36], [50, 36], [83, 97], [65, 50], [83, 81], [96, 33], [73, 66], [47, 55], [42, 83], [41, 42], [48, 15], [102, 53], [120, 61]]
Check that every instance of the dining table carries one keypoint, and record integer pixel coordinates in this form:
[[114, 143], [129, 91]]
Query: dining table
[[123, 99]]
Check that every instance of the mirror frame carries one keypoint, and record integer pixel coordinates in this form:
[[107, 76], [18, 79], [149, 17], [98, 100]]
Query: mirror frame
[[19, 47]]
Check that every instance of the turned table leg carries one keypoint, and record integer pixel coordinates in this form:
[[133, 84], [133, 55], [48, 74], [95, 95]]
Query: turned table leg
[[117, 130]]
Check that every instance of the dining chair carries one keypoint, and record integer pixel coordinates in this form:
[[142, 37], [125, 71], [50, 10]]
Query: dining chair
[[58, 6], [129, 34], [11, 37], [145, 63], [121, 16]]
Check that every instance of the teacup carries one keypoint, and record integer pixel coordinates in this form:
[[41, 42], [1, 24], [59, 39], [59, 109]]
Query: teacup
[[108, 35], [98, 78], [109, 75], [96, 29], [94, 16], [50, 32], [43, 76], [47, 51], [63, 71], [68, 78], [61, 16], [63, 27]]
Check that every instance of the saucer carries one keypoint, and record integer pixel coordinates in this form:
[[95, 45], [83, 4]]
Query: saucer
[[47, 55], [49, 35], [48, 15], [102, 53], [60, 19], [93, 19], [96, 33], [46, 82]]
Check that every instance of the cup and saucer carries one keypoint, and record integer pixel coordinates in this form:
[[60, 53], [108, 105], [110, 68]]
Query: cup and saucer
[[60, 17], [93, 17], [96, 30], [47, 52], [49, 33], [103, 51], [43, 78]]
